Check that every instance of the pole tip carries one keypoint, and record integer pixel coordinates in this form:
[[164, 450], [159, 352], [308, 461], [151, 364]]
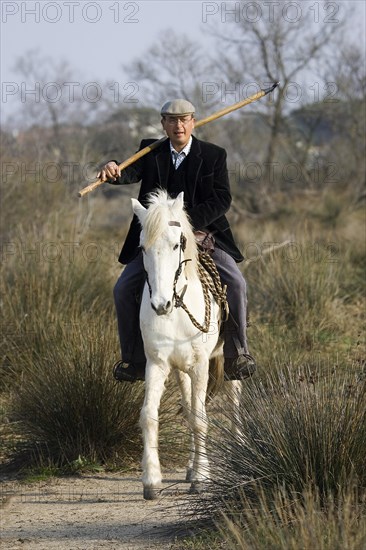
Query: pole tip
[[271, 88]]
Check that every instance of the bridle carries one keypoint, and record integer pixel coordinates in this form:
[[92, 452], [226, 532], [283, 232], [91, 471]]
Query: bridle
[[182, 247], [210, 282], [178, 299]]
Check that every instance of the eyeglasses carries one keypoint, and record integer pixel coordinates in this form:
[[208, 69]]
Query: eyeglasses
[[172, 120]]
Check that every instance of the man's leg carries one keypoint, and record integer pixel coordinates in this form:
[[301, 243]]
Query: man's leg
[[127, 296], [235, 328]]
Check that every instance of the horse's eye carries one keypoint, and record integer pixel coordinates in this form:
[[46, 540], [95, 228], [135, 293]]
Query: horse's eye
[[142, 248], [175, 246]]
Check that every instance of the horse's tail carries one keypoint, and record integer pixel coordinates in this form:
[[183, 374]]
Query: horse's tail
[[216, 376]]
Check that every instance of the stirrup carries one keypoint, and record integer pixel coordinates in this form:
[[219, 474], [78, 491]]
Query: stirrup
[[240, 369], [125, 372]]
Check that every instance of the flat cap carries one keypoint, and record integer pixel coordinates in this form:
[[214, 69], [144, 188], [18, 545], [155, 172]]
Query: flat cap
[[177, 107]]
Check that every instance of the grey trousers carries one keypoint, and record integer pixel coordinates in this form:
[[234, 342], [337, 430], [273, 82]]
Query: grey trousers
[[127, 297]]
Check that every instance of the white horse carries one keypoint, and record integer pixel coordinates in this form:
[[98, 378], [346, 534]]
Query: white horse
[[171, 341]]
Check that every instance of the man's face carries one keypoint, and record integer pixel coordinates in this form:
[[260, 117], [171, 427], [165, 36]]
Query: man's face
[[178, 129]]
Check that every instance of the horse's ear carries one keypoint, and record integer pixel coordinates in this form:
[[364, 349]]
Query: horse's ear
[[138, 209], [179, 201]]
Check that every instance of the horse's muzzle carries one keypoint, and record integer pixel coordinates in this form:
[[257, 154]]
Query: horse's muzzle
[[162, 309]]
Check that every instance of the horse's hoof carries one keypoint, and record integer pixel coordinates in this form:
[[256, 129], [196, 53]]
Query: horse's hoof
[[151, 493], [189, 475], [197, 488]]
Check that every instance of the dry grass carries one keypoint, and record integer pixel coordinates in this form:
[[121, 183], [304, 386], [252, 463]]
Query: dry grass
[[301, 423], [298, 522]]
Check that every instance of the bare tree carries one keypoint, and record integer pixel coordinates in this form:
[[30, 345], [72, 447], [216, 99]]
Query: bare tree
[[52, 97], [348, 72], [175, 66], [284, 42]]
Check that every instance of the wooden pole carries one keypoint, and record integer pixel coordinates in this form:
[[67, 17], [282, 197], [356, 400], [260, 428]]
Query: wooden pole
[[198, 124]]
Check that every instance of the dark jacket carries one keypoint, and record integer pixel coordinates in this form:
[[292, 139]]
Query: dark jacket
[[207, 188]]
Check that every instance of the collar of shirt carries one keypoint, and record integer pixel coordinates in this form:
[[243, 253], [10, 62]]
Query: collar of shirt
[[185, 150]]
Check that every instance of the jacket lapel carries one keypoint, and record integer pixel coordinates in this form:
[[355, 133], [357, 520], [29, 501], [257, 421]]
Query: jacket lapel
[[163, 162], [194, 166]]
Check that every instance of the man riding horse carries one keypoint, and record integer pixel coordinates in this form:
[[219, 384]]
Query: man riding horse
[[199, 169]]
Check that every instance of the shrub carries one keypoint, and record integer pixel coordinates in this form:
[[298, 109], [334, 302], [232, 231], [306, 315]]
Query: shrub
[[68, 404], [290, 523], [293, 430]]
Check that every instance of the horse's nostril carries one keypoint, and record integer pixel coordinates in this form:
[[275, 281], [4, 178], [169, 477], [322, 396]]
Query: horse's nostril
[[159, 310], [162, 309]]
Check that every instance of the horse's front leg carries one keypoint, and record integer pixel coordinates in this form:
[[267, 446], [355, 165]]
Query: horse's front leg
[[155, 378], [184, 383], [201, 471]]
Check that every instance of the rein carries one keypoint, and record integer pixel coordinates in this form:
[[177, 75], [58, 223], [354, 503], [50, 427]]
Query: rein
[[210, 281]]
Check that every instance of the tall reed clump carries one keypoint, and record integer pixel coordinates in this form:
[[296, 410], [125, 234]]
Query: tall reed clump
[[291, 432], [300, 521], [68, 405]]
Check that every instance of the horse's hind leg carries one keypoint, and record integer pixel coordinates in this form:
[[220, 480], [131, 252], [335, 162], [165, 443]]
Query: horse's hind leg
[[149, 421], [184, 383], [233, 390]]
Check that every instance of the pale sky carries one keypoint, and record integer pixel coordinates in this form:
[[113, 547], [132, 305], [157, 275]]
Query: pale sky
[[97, 37]]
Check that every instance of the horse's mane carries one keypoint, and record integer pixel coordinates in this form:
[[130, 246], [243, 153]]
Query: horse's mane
[[160, 212]]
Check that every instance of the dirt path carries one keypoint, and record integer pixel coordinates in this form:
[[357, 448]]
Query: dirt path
[[91, 513]]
